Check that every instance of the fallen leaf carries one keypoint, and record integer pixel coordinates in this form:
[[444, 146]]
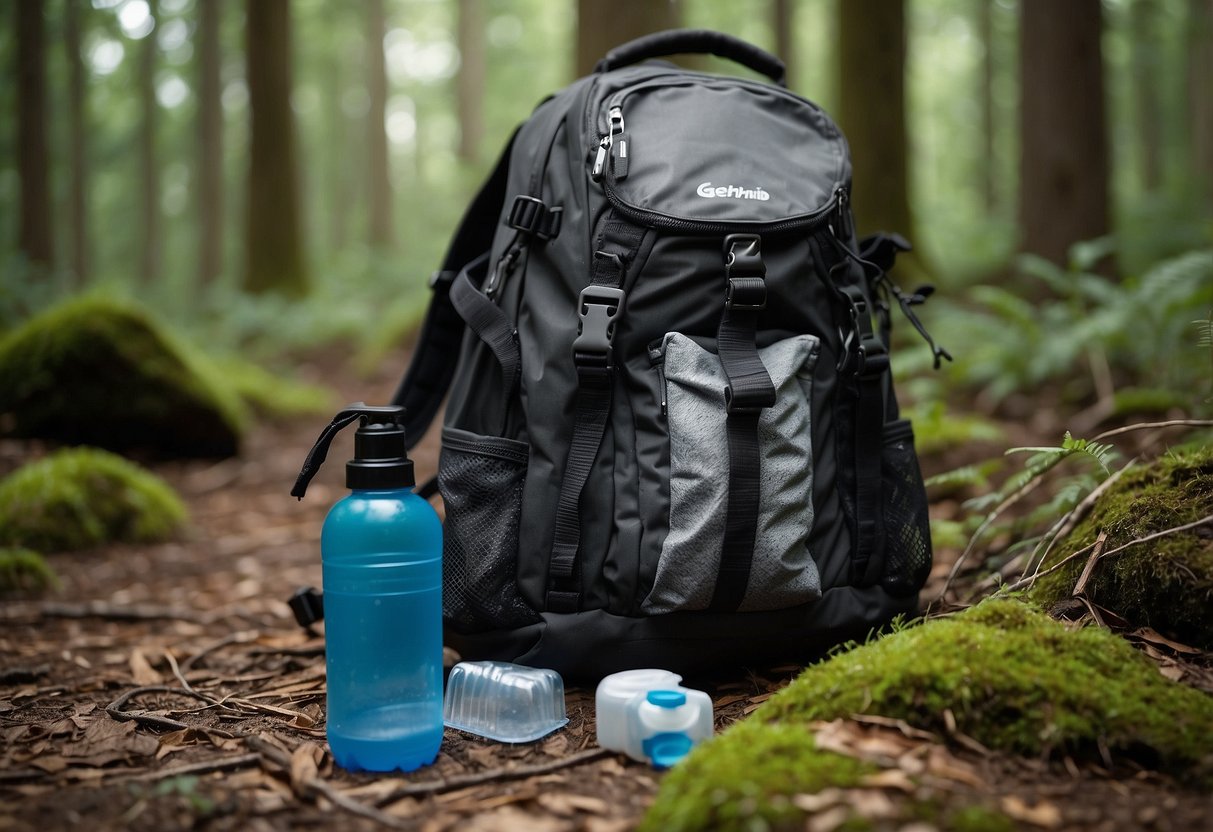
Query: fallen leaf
[[942, 764], [813, 803], [142, 670], [567, 805], [1043, 814], [305, 765], [891, 778], [829, 820], [873, 804], [1151, 635]]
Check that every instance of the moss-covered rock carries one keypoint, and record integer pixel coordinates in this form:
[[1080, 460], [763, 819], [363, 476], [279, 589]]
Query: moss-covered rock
[[82, 497], [1166, 583], [1011, 677], [24, 570], [99, 372]]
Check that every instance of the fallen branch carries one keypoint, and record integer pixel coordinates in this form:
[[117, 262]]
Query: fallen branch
[[116, 711], [121, 612], [1171, 423], [501, 775]]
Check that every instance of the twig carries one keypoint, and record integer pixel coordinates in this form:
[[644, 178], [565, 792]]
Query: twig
[[1018, 495], [1076, 514], [204, 767], [232, 638], [172, 662], [1204, 521], [280, 758], [115, 710], [501, 775], [1171, 423]]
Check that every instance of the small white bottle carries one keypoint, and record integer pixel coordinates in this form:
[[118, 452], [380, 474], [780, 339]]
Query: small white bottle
[[649, 716]]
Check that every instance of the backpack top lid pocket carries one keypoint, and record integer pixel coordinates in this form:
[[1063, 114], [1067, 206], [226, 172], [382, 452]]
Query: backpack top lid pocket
[[699, 153]]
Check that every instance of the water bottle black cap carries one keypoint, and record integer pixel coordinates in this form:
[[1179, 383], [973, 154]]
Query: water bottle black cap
[[380, 458]]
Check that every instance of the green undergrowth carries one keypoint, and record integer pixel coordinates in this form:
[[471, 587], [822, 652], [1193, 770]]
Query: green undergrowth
[[1166, 583], [1011, 677], [24, 570], [96, 371], [82, 497], [271, 394]]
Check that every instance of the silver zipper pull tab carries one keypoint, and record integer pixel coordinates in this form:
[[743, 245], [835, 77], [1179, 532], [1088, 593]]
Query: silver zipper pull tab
[[600, 158]]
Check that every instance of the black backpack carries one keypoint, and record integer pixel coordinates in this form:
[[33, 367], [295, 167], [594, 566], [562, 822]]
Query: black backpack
[[671, 437]]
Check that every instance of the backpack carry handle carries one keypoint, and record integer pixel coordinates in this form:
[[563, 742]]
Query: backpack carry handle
[[694, 41]]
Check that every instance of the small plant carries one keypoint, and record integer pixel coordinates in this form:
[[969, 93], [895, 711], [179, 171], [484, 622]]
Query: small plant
[[24, 570], [82, 497]]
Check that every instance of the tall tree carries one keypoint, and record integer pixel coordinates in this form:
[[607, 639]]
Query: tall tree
[[1143, 19], [782, 12], [989, 168], [379, 169], [872, 112], [1063, 171], [149, 170], [34, 234], [603, 26], [469, 83], [210, 142], [273, 242], [1200, 99], [78, 193]]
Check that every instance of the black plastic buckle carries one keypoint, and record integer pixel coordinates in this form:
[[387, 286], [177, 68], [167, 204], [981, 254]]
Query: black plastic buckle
[[597, 309], [871, 355], [308, 606], [531, 216], [743, 256]]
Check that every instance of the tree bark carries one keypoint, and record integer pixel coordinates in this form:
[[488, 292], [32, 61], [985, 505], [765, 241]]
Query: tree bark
[[34, 233], [1063, 184], [469, 84], [872, 56], [78, 194], [1200, 94], [210, 143], [149, 172], [379, 170], [273, 241], [602, 26]]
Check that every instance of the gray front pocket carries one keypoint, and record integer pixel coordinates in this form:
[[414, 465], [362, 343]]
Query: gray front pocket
[[782, 573]]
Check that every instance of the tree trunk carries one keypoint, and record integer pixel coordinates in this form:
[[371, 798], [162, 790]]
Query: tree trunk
[[1063, 184], [872, 57], [34, 234], [149, 172], [783, 26], [469, 89], [989, 165], [602, 26], [1200, 94], [78, 196], [379, 170], [1143, 19], [273, 240], [210, 143]]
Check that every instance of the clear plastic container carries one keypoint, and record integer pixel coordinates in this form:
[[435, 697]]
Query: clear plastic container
[[504, 702]]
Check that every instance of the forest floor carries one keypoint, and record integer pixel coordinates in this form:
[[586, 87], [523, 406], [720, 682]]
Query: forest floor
[[168, 687]]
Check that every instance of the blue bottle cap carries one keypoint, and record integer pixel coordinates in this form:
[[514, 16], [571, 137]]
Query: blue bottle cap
[[667, 698], [663, 750]]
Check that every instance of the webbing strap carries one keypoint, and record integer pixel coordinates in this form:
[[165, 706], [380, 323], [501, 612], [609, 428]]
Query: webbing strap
[[429, 375], [749, 389], [490, 324], [599, 306]]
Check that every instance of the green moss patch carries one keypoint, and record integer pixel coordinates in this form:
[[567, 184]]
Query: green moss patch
[[98, 372], [24, 570], [1011, 678], [83, 497], [1166, 583]]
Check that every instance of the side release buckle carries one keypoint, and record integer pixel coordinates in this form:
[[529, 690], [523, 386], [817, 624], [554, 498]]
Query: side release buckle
[[597, 309]]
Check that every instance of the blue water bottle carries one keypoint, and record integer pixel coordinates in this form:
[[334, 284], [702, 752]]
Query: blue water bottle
[[381, 549]]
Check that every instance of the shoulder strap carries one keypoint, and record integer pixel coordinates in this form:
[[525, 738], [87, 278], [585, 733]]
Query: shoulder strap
[[429, 375]]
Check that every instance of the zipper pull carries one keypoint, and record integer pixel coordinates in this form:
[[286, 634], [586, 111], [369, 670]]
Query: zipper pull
[[600, 158], [619, 156], [843, 232], [906, 302]]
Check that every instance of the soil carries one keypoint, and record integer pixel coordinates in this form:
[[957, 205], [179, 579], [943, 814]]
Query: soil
[[169, 687]]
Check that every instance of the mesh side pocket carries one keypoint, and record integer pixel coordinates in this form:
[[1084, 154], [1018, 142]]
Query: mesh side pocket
[[481, 481], [907, 525]]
